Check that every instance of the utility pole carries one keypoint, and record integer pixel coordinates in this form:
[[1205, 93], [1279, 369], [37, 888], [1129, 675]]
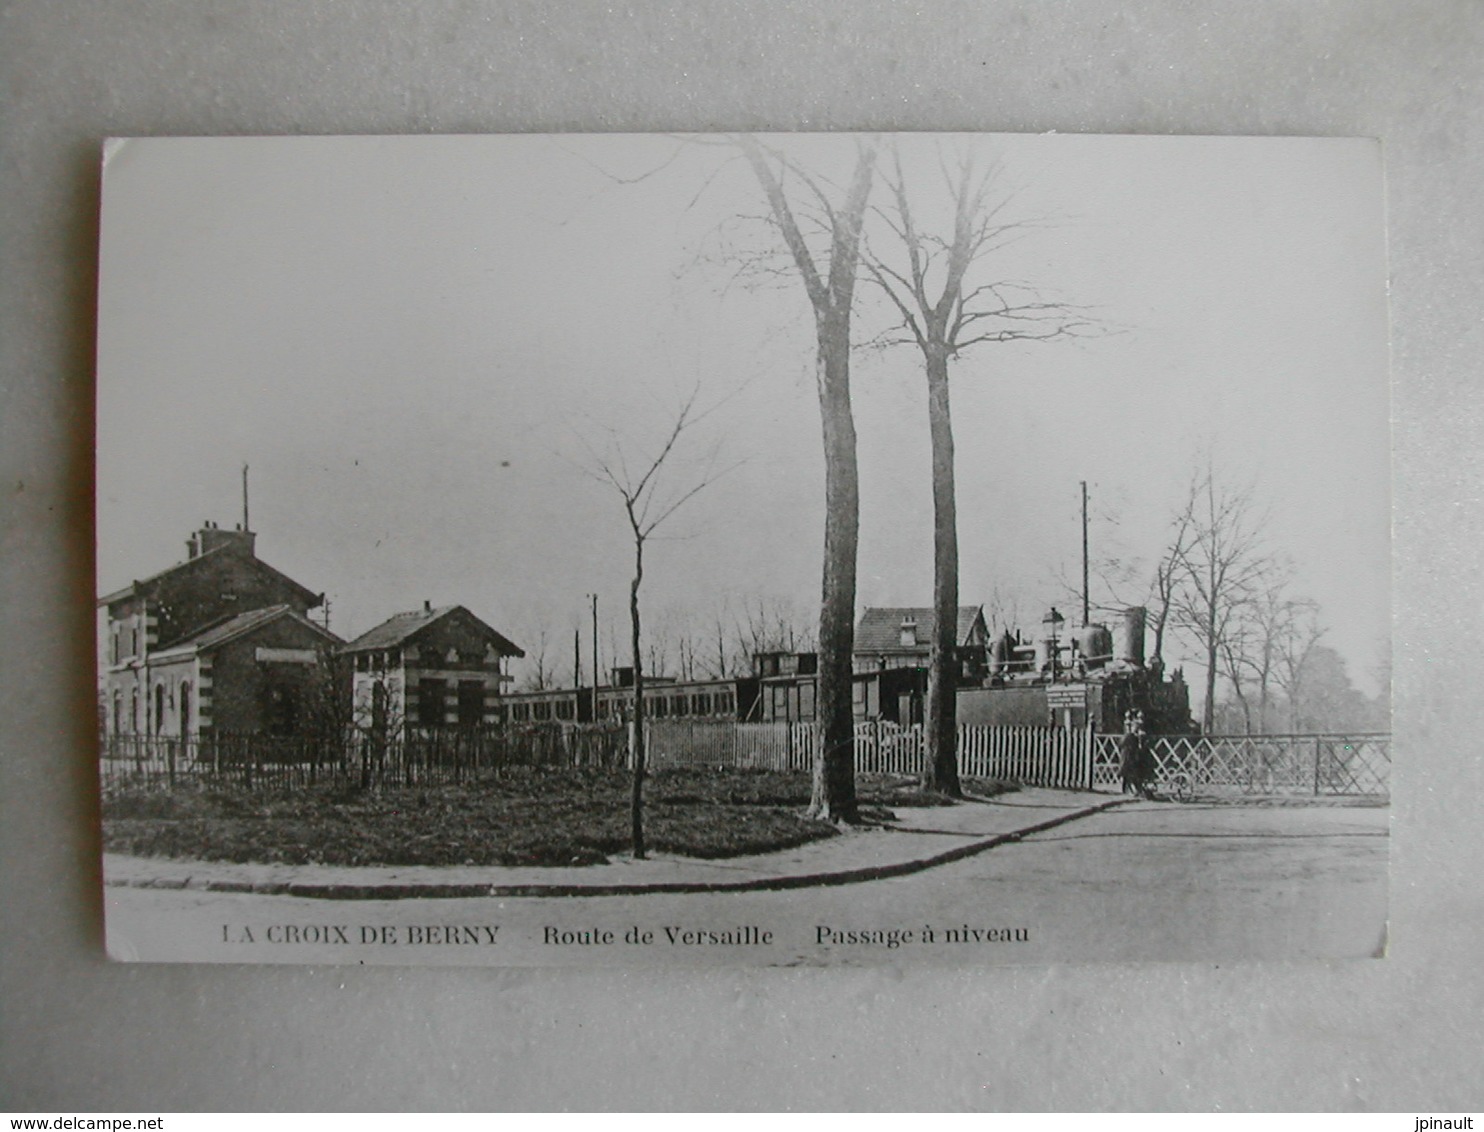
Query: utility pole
[[577, 659], [597, 680], [1086, 611], [245, 525]]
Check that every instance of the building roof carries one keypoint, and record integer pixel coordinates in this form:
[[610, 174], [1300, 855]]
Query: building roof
[[144, 584], [880, 629], [402, 627], [230, 628]]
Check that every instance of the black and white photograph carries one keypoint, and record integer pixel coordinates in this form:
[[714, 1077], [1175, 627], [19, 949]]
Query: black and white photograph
[[799, 550]]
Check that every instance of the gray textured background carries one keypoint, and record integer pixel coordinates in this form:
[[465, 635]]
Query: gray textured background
[[79, 1033]]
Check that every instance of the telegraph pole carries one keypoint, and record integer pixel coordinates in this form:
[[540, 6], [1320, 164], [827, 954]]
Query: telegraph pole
[[1086, 612], [596, 678]]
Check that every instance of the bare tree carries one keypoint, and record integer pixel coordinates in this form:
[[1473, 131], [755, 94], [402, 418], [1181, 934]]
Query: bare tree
[[1236, 652], [1275, 633], [1221, 568], [656, 655], [1300, 633], [1329, 701], [1003, 610], [1166, 582], [538, 675], [822, 238], [719, 665], [829, 279], [944, 308], [648, 501]]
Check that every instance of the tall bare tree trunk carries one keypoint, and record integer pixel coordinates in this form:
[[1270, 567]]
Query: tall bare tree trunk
[[636, 802], [831, 294], [833, 795], [940, 774], [943, 316], [1208, 715]]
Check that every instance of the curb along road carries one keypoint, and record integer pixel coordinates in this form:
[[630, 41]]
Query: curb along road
[[468, 890]]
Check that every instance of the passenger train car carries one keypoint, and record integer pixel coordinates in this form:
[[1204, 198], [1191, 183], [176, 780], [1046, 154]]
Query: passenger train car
[[1093, 677]]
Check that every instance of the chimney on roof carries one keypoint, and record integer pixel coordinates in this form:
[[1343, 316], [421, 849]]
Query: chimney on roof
[[427, 607], [211, 537], [909, 633]]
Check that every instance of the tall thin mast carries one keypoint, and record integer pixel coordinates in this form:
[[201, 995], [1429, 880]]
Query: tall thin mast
[[245, 525], [596, 679], [1086, 611]]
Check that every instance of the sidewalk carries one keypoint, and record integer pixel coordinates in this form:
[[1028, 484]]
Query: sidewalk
[[921, 838]]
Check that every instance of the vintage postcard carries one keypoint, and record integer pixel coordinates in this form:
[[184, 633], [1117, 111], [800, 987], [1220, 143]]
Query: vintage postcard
[[743, 549]]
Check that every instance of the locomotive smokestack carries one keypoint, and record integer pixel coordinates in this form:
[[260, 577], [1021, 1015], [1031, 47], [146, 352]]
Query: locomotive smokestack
[[1131, 642]]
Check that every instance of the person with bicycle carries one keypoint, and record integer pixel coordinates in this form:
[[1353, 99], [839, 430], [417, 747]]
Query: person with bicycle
[[1136, 767]]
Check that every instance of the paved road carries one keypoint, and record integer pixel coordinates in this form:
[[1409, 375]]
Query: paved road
[[1149, 881]]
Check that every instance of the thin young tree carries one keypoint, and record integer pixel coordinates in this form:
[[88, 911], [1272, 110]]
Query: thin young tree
[[1301, 631], [1271, 624], [1167, 574], [1222, 568], [649, 498], [945, 304], [829, 278], [822, 236]]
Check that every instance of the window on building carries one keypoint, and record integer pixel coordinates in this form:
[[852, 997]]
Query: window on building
[[566, 709], [723, 702], [185, 710], [541, 709], [700, 704], [520, 713], [659, 706], [677, 705], [134, 711], [159, 709], [471, 703], [430, 702]]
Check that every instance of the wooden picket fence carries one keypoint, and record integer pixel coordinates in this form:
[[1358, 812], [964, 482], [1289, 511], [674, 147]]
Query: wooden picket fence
[[1031, 756], [723, 743], [1038, 756]]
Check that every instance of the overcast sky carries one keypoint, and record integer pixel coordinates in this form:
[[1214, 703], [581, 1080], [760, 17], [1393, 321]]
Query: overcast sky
[[408, 340]]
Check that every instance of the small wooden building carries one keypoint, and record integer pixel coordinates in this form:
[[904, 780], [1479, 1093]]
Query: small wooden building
[[430, 668]]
